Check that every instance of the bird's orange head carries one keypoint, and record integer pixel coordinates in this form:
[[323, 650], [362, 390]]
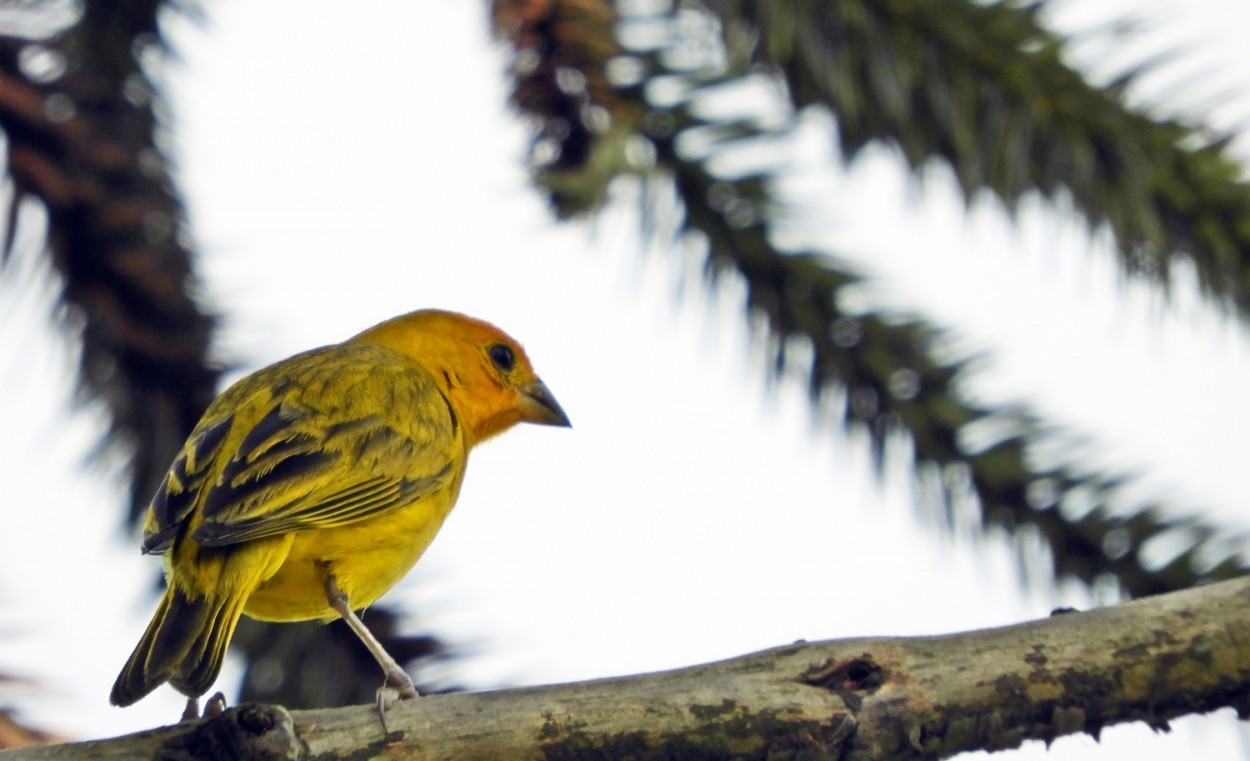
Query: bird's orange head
[[483, 372]]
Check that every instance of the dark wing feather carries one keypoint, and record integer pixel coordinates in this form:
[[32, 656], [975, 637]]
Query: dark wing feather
[[277, 456], [175, 499], [363, 500]]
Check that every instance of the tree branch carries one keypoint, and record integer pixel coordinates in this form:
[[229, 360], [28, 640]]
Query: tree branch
[[1150, 660]]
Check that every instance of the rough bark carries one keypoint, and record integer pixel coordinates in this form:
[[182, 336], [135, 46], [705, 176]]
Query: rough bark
[[1149, 660]]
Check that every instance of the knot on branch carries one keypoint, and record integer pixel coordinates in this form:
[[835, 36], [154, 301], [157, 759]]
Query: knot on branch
[[249, 730], [851, 679]]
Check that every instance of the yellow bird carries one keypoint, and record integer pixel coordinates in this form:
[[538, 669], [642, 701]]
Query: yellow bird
[[313, 485]]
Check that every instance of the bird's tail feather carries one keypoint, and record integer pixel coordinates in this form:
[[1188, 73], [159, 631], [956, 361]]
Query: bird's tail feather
[[202, 662], [183, 645]]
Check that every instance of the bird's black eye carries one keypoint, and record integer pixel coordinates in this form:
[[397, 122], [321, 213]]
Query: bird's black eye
[[503, 357]]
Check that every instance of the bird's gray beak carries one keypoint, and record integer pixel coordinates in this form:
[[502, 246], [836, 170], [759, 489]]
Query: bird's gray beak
[[539, 406]]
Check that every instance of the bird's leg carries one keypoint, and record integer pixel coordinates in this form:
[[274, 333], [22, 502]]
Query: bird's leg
[[192, 711], [398, 684]]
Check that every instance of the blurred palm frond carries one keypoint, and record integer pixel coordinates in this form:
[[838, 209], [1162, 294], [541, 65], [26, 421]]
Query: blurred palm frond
[[84, 122], [981, 88]]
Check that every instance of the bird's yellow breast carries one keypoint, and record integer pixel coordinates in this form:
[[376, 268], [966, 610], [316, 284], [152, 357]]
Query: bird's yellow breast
[[366, 559]]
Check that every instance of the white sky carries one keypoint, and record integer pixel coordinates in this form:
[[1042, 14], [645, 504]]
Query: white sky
[[343, 168]]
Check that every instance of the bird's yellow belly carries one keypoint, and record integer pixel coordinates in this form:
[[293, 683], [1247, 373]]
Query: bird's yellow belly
[[366, 559]]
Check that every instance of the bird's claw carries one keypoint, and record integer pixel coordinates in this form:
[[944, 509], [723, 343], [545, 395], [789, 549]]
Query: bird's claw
[[386, 698], [398, 686], [215, 706]]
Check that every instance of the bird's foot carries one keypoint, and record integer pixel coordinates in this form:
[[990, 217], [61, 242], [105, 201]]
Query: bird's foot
[[215, 706], [398, 686]]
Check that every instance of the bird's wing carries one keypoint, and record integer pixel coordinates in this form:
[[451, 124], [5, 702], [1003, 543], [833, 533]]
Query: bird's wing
[[348, 443], [176, 497]]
